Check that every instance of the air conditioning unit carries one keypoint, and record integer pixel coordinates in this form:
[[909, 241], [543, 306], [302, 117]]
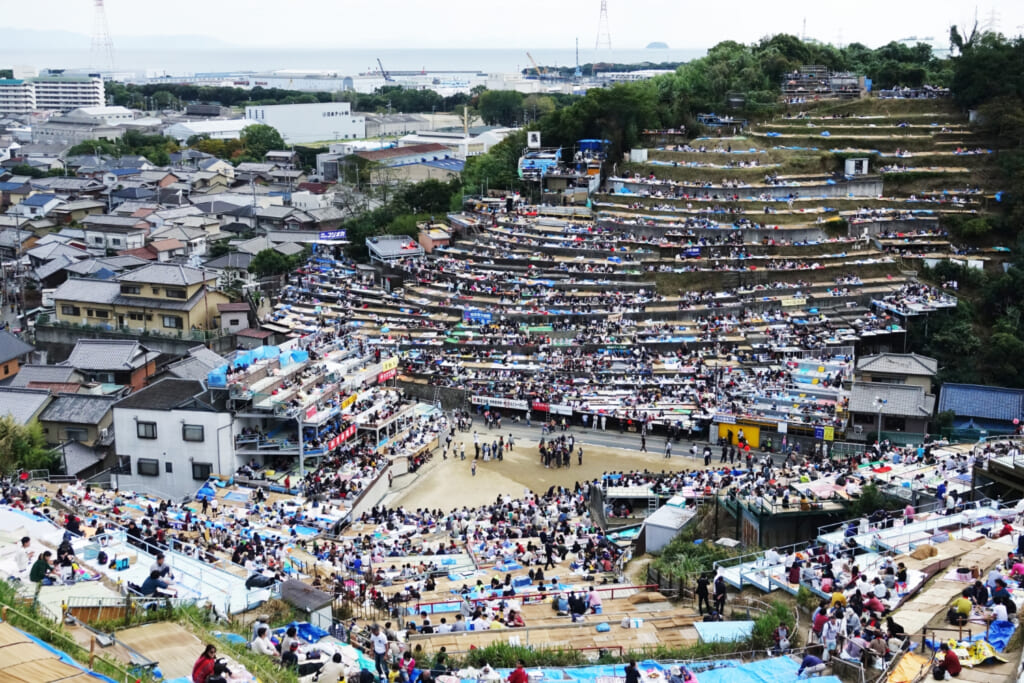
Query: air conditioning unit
[[105, 433], [858, 429]]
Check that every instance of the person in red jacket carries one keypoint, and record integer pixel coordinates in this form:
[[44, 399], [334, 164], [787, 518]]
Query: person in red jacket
[[950, 663], [203, 667], [518, 675]]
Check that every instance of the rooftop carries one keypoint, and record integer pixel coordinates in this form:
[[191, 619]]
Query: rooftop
[[902, 400], [166, 394], [12, 347], [167, 274], [22, 404], [974, 400], [899, 364], [109, 354], [86, 409]]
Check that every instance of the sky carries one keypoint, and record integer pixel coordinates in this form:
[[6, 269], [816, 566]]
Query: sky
[[683, 24]]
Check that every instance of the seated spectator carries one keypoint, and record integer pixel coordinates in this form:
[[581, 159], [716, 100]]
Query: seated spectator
[[262, 643]]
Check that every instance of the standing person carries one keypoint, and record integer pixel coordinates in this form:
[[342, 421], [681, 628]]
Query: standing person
[[703, 594], [473, 468], [462, 451], [23, 557], [668, 449], [580, 454], [379, 641], [604, 419], [203, 668], [720, 594], [707, 456], [632, 673], [643, 443]]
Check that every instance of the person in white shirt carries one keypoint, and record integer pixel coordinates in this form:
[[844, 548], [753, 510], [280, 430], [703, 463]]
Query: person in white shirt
[[444, 626], [262, 643], [998, 612], [379, 641], [23, 557]]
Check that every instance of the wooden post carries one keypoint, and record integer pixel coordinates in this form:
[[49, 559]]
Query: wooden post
[[92, 651], [3, 613]]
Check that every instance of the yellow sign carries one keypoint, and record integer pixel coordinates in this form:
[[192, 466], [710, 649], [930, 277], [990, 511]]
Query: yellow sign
[[349, 400], [830, 433], [389, 364], [793, 301]]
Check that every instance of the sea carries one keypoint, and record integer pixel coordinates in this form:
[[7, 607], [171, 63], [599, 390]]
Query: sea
[[342, 62]]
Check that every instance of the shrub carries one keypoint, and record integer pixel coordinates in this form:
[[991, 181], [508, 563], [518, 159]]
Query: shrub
[[765, 625]]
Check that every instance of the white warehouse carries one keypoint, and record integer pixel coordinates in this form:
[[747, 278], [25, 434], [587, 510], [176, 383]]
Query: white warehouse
[[298, 123]]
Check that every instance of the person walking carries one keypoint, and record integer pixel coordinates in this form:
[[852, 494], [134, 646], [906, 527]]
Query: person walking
[[379, 641], [720, 594], [643, 443], [703, 594], [473, 468], [668, 449]]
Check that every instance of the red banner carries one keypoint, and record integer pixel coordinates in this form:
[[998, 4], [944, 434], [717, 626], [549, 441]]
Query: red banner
[[386, 375], [310, 412], [542, 407], [342, 438]]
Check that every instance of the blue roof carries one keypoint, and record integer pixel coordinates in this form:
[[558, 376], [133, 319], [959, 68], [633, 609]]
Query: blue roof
[[455, 165], [10, 187], [39, 199], [11, 81], [974, 400], [124, 171]]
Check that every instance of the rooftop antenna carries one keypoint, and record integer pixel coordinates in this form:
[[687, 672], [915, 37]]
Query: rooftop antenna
[[102, 52], [604, 36]]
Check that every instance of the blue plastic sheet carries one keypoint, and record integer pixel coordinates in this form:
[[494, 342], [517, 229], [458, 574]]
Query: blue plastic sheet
[[999, 633]]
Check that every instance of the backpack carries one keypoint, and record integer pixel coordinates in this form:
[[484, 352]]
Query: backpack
[[101, 558]]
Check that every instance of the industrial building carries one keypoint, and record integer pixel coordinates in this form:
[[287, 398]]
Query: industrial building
[[298, 123]]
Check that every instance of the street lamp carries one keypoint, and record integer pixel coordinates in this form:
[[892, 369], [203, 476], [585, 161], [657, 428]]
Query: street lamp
[[880, 403]]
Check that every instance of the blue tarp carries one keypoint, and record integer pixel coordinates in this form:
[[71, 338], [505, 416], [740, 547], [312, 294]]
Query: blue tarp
[[999, 634]]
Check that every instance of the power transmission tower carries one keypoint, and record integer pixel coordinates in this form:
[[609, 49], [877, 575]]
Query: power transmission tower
[[102, 54], [604, 36]]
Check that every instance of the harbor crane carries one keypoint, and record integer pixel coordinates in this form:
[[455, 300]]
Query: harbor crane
[[383, 72], [540, 73]]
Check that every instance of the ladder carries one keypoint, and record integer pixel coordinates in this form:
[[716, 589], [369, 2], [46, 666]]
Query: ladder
[[652, 505], [437, 395]]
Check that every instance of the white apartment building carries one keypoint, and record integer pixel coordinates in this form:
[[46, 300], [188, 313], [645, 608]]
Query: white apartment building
[[298, 123], [170, 440], [58, 93]]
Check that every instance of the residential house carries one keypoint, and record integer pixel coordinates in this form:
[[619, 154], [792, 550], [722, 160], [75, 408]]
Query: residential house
[[900, 408], [55, 378], [76, 211], [233, 317], [116, 233], [283, 158], [197, 365], [158, 298], [159, 250], [171, 439], [898, 368], [13, 192], [231, 267], [23, 405], [193, 239], [85, 418], [124, 362], [37, 205], [13, 352]]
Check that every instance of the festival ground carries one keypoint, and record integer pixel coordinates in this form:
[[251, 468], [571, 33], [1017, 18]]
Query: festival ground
[[451, 484]]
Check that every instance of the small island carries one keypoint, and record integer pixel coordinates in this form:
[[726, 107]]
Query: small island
[[657, 45]]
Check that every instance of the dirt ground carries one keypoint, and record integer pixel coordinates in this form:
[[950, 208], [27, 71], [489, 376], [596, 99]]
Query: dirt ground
[[450, 484]]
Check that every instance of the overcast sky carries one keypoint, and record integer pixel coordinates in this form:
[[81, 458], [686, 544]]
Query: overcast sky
[[519, 24]]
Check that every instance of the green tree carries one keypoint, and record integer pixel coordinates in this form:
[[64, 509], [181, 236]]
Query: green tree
[[269, 262], [23, 446], [501, 107], [259, 138], [429, 196]]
